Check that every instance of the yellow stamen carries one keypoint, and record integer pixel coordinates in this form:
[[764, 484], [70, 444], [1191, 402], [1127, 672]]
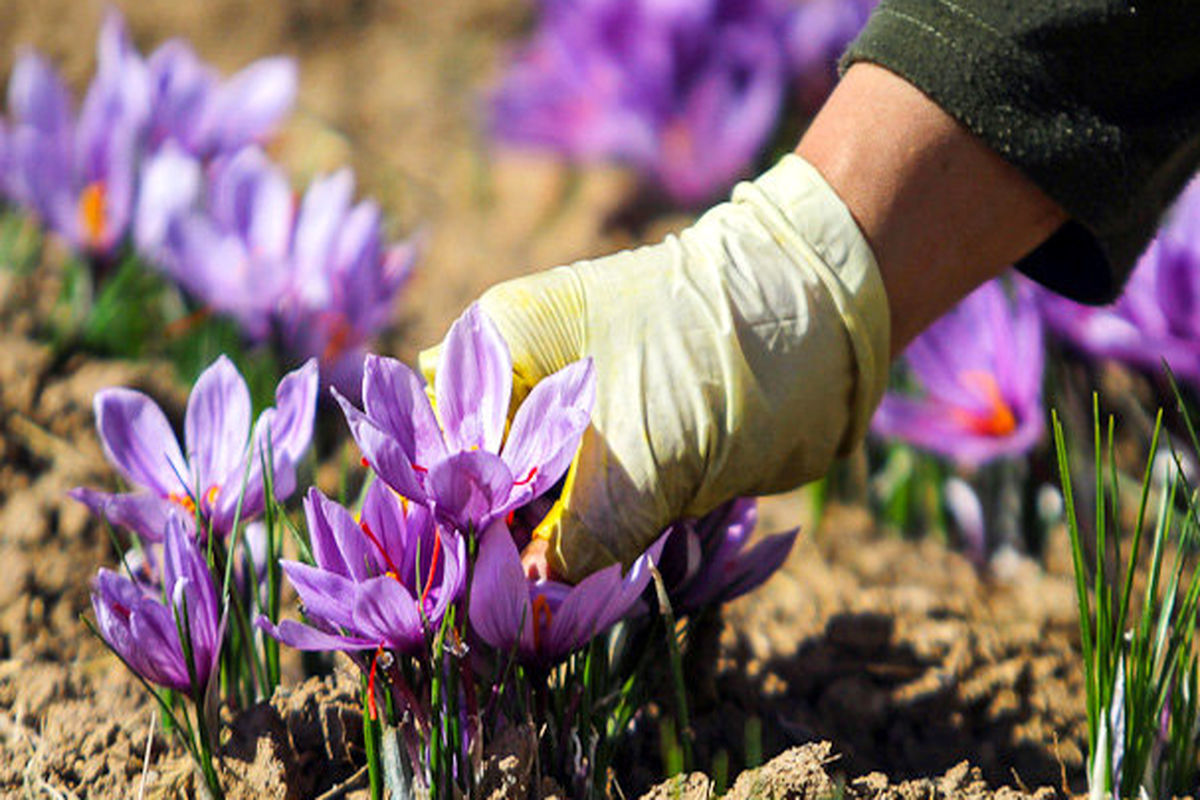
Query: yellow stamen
[[184, 501]]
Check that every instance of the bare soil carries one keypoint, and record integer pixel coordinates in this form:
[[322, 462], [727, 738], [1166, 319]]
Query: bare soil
[[873, 666]]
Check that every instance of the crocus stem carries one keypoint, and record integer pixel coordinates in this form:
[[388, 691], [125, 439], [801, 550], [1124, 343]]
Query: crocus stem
[[371, 744]]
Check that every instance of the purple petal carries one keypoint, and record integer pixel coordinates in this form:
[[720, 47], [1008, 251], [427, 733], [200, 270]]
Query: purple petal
[[326, 596], [383, 453], [217, 426], [499, 604], [170, 185], [322, 213], [385, 610], [252, 102], [37, 96], [583, 613], [403, 529], [156, 637], [745, 572], [470, 488], [338, 544], [139, 441], [395, 400], [303, 637], [547, 427], [142, 512], [474, 383]]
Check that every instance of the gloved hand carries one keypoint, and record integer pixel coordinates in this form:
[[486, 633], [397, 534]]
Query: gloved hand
[[737, 358]]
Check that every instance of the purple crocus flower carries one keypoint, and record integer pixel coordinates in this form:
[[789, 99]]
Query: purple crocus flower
[[144, 631], [386, 581], [979, 369], [706, 561], [78, 175], [543, 621], [816, 36], [466, 469], [206, 116], [1157, 317], [685, 92], [317, 277], [221, 478]]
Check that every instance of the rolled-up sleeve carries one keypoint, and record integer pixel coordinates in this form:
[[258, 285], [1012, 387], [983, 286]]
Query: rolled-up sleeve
[[1097, 101]]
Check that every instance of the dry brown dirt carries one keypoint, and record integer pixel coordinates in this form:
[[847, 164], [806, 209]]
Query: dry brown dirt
[[886, 662]]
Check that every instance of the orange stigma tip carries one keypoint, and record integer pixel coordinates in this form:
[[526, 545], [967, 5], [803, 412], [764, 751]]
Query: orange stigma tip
[[509, 517], [998, 420], [93, 208], [184, 501], [364, 462], [211, 496]]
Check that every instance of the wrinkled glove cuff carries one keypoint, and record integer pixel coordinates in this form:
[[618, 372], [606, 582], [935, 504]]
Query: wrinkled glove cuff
[[803, 211]]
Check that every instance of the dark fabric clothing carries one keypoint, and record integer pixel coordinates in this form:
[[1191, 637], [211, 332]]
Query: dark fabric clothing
[[1097, 101]]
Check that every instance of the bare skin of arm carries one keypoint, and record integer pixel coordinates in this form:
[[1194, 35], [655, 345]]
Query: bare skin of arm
[[942, 212]]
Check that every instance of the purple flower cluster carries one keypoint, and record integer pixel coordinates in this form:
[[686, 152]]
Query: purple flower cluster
[[687, 93], [1157, 318], [456, 469], [80, 172], [979, 371], [163, 153], [316, 277], [183, 495]]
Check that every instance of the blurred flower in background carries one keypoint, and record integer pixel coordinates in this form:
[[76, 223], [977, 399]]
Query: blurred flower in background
[[687, 93], [1157, 317], [978, 376], [315, 277], [817, 33]]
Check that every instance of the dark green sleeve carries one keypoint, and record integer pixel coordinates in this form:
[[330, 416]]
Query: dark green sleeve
[[1097, 101]]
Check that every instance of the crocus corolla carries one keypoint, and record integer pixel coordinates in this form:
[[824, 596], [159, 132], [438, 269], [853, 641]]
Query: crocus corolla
[[78, 174], [706, 561], [685, 92], [543, 621], [1157, 318], [318, 278], [384, 581], [979, 372], [466, 469], [144, 631], [221, 477]]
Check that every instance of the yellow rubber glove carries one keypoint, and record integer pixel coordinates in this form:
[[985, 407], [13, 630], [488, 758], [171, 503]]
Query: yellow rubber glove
[[737, 358]]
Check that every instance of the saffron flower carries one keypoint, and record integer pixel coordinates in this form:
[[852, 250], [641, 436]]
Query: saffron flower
[[385, 581], [78, 174], [706, 562], [687, 93], [207, 116], [318, 278], [466, 469], [543, 621], [817, 34], [144, 630], [221, 479], [1157, 317], [979, 372]]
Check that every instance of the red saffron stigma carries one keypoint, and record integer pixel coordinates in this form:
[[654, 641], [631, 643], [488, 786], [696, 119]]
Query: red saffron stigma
[[364, 462], [121, 609], [418, 468], [392, 570], [532, 474], [541, 619], [371, 683], [509, 517], [433, 562]]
